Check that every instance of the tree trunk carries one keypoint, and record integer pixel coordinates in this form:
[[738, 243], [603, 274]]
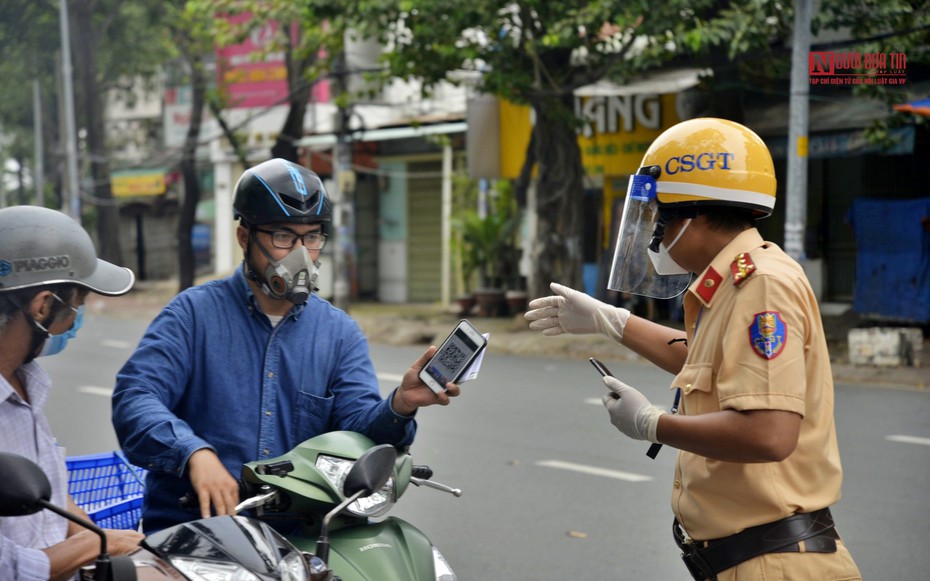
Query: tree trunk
[[559, 197], [108, 239], [298, 90], [285, 147], [188, 165]]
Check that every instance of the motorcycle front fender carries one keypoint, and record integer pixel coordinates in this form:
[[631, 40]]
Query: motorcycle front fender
[[390, 550]]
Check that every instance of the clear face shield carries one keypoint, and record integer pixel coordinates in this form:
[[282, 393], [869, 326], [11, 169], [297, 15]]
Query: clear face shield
[[633, 270]]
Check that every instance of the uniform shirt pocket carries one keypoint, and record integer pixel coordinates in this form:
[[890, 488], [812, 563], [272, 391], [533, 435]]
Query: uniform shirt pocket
[[696, 381]]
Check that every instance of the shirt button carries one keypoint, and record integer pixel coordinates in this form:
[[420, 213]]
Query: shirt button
[[271, 374], [267, 413], [677, 484], [266, 452]]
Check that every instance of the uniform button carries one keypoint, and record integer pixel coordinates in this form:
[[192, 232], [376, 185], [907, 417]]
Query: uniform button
[[709, 282], [693, 326], [677, 484]]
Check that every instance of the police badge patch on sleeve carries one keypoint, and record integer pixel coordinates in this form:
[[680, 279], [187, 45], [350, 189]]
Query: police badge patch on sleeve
[[768, 334]]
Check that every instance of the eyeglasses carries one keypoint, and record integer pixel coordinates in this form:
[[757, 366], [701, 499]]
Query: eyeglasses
[[62, 301], [286, 239]]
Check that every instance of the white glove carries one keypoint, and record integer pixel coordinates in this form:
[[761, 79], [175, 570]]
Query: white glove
[[571, 311], [632, 413]]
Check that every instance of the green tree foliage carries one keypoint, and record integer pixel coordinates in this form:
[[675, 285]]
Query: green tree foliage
[[111, 41], [537, 53]]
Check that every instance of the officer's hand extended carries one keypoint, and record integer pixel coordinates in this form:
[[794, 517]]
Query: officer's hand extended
[[632, 413], [571, 311], [213, 484]]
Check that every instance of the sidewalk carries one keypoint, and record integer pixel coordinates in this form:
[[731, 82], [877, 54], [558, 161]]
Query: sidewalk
[[425, 324]]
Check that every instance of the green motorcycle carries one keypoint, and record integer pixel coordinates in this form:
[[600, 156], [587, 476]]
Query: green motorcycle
[[328, 489]]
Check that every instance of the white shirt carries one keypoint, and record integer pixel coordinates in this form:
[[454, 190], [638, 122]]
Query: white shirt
[[24, 430]]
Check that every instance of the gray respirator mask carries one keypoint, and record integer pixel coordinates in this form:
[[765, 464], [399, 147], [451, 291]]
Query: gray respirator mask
[[292, 278]]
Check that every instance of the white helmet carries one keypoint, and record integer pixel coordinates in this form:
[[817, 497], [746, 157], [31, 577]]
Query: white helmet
[[40, 246]]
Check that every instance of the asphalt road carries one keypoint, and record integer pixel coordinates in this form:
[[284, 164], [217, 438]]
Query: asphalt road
[[551, 489]]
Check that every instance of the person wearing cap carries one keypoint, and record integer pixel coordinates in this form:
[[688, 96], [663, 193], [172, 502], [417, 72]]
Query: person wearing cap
[[48, 265], [758, 464], [247, 367]]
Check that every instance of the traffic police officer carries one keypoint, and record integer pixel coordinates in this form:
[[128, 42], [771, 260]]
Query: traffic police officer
[[758, 466]]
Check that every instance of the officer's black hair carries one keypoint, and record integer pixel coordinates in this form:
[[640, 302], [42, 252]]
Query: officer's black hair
[[729, 218]]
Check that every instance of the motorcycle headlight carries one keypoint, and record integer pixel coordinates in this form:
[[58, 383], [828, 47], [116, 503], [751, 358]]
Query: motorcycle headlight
[[201, 570], [291, 568], [442, 568], [336, 469]]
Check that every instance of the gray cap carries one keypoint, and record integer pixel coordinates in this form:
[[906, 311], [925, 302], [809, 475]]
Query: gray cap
[[41, 246]]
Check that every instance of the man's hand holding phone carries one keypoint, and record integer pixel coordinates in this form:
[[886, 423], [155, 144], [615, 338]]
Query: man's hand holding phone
[[413, 393]]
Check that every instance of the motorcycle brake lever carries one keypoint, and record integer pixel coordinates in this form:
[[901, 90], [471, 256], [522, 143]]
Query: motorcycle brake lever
[[255, 501], [457, 492]]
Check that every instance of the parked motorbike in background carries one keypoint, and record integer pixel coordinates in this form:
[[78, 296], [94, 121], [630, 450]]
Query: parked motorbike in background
[[325, 492]]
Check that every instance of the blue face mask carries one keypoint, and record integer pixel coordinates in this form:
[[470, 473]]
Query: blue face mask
[[55, 344]]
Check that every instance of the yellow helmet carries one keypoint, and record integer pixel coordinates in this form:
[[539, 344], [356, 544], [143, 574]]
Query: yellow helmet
[[712, 161], [697, 163]]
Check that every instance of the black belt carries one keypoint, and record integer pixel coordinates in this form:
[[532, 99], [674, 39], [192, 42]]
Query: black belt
[[705, 559]]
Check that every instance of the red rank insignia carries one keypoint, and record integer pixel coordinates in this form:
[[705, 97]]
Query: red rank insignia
[[709, 284], [741, 268]]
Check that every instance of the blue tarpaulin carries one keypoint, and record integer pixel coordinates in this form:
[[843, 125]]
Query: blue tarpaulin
[[893, 259]]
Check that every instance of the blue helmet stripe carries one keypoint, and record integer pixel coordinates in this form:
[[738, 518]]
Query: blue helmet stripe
[[270, 191], [298, 179], [319, 208]]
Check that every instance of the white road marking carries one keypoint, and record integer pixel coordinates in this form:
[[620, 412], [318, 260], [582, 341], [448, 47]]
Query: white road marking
[[594, 470], [94, 390], [908, 440], [390, 377], [116, 344]]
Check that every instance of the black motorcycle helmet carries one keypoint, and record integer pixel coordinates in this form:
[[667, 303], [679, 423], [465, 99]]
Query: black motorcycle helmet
[[280, 191]]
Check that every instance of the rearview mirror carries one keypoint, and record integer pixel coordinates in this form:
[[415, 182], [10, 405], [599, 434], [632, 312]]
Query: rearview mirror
[[23, 487], [371, 471]]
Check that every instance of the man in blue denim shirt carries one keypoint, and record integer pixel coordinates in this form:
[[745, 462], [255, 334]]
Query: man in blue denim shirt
[[247, 367]]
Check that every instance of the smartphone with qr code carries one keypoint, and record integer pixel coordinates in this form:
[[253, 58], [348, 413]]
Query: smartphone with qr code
[[454, 356]]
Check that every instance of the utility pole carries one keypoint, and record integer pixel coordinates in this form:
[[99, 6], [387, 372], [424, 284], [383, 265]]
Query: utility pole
[[344, 200], [796, 191], [73, 205], [38, 179]]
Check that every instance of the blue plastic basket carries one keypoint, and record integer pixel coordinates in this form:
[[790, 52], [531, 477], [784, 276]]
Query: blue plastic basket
[[108, 488]]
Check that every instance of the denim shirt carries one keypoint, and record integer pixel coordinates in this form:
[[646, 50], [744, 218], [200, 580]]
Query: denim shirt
[[212, 372]]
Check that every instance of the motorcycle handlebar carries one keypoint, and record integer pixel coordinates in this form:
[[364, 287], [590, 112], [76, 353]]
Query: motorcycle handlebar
[[246, 489], [421, 471]]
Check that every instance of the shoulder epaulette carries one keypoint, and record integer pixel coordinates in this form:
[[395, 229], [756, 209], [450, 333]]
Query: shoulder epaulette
[[742, 268]]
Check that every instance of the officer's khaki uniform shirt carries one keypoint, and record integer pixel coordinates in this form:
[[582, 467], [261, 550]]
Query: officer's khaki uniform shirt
[[755, 345]]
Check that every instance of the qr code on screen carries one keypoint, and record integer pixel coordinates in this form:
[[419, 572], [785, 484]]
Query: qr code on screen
[[452, 357]]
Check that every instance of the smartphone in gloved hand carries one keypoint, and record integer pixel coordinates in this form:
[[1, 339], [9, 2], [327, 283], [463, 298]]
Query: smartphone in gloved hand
[[602, 369]]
